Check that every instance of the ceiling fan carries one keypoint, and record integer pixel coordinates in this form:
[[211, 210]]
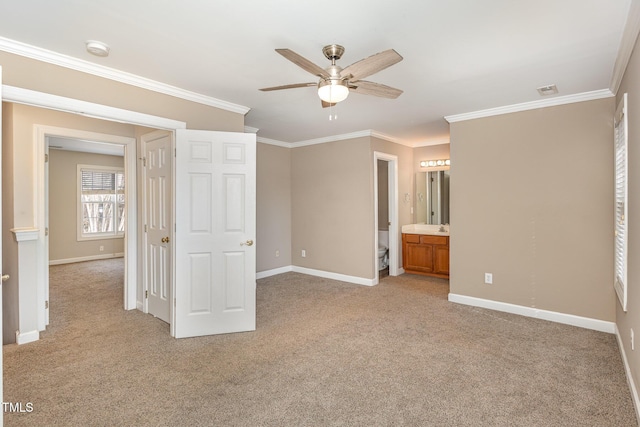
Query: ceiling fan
[[336, 82]]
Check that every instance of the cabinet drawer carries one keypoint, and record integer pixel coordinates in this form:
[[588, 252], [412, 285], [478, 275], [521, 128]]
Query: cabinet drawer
[[412, 238], [434, 240]]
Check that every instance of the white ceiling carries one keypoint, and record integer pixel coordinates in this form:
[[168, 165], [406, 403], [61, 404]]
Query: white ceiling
[[460, 56]]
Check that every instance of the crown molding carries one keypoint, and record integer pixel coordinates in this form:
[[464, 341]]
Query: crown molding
[[249, 129], [629, 37], [543, 103], [60, 103], [432, 142], [37, 53], [274, 142]]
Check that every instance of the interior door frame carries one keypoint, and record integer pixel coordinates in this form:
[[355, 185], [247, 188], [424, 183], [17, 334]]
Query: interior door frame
[[143, 217], [102, 112], [42, 133], [394, 260]]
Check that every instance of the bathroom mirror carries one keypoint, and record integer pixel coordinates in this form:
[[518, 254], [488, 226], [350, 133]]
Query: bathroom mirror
[[432, 197]]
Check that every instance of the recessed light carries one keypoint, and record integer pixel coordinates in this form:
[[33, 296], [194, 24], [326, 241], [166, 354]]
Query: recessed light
[[97, 48], [547, 90]]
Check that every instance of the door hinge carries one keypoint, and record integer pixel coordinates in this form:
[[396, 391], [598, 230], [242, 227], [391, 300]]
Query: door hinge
[[145, 228], [46, 158], [146, 294], [46, 231], [46, 305], [144, 161]]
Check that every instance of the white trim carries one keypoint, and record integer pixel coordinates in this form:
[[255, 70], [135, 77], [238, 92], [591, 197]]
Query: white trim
[[274, 142], [629, 374], [400, 271], [629, 37], [273, 272], [333, 138], [84, 108], [334, 276], [25, 234], [552, 316], [543, 103], [27, 337], [61, 60], [439, 141], [85, 258], [394, 259], [249, 129], [41, 133]]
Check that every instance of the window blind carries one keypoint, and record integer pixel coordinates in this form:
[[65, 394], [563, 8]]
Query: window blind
[[621, 195]]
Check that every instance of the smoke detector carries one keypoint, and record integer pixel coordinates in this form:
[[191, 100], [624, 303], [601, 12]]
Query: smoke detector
[[97, 48], [547, 90]]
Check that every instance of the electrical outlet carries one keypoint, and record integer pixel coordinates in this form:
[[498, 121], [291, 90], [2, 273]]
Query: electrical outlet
[[633, 344], [488, 278], [101, 248], [277, 253], [303, 253]]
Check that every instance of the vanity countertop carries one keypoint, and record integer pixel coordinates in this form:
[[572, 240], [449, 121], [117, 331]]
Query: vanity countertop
[[425, 229]]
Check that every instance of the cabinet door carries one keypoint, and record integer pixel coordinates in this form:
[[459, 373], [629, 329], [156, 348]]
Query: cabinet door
[[441, 256], [419, 257]]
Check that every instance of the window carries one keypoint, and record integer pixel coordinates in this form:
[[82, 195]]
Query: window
[[101, 210], [621, 196]]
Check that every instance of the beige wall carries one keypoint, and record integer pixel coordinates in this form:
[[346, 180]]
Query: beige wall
[[35, 75], [24, 119], [430, 152], [332, 207], [63, 208], [405, 182], [531, 202], [273, 193], [631, 319]]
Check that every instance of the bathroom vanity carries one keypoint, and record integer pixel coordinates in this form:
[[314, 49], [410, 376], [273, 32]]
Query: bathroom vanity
[[425, 250]]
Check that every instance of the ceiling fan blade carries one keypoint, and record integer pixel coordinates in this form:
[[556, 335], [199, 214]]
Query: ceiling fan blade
[[371, 65], [375, 89], [293, 86], [303, 63], [326, 104]]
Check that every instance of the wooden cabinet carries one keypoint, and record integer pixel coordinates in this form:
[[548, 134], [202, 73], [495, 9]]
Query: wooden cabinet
[[425, 254]]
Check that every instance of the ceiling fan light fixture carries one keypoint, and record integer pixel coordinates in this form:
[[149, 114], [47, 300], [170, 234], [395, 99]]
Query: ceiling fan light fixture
[[333, 90]]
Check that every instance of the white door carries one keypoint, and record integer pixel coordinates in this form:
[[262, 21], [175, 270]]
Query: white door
[[3, 277], [215, 262], [157, 223]]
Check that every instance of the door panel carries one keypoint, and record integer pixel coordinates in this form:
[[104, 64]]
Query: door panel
[[158, 212], [215, 220]]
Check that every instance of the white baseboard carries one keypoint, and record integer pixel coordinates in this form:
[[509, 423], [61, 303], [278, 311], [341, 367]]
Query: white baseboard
[[139, 306], [627, 370], [27, 337], [273, 272], [85, 258], [335, 276], [567, 319], [317, 273]]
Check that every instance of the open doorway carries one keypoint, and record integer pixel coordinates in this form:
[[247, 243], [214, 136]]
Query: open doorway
[[85, 202], [385, 178], [96, 156]]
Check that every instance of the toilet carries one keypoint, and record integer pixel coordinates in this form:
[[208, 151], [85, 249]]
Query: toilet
[[383, 249]]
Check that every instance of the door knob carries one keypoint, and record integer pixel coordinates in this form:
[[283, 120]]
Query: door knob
[[165, 239], [248, 243], [5, 277]]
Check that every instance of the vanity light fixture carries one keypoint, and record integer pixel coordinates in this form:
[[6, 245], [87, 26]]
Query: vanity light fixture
[[435, 163]]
